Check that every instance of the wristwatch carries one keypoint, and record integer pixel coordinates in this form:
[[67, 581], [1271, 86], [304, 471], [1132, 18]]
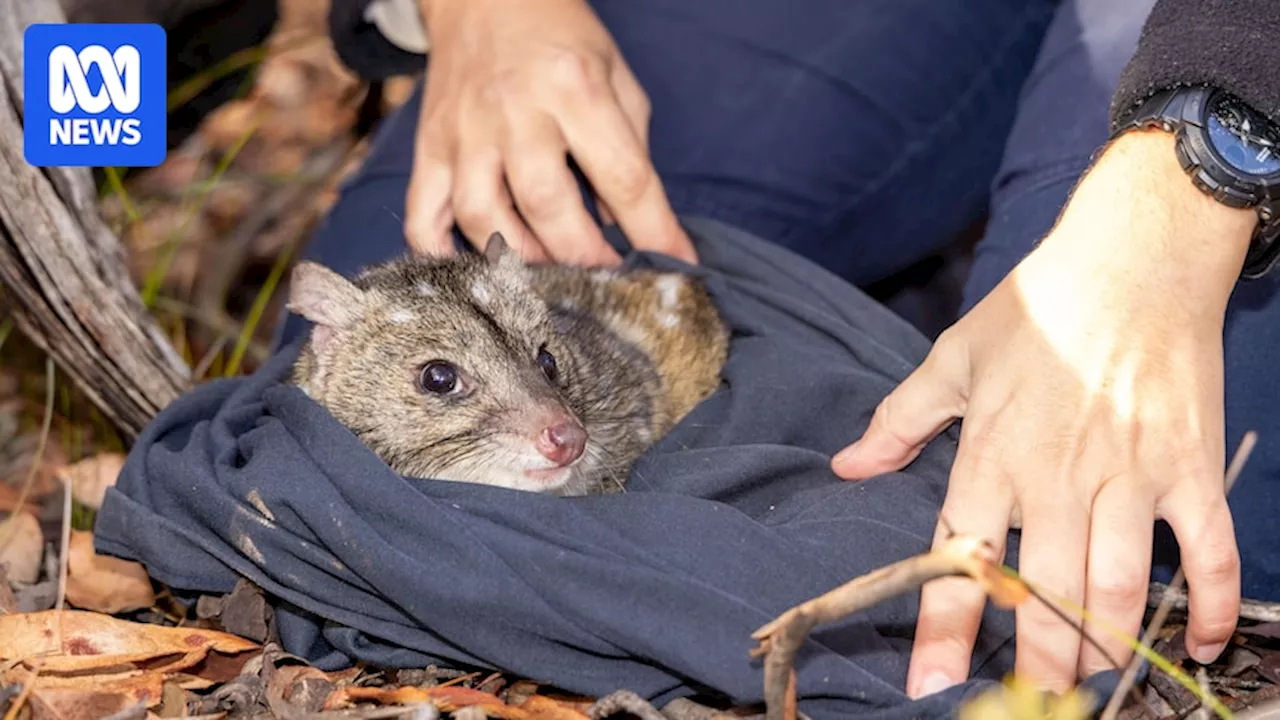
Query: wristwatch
[[1230, 151]]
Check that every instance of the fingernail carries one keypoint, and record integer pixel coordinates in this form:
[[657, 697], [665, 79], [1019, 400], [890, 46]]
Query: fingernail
[[844, 455], [934, 682], [1207, 653]]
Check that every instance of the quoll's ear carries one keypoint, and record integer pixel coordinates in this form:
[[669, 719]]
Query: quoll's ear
[[323, 296], [498, 252], [496, 248]]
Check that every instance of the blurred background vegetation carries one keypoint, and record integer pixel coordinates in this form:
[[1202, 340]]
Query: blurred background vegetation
[[264, 123]]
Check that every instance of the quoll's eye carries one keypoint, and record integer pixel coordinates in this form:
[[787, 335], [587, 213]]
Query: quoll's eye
[[438, 377], [547, 362]]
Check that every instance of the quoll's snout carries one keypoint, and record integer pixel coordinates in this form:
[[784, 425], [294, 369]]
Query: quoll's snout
[[562, 442]]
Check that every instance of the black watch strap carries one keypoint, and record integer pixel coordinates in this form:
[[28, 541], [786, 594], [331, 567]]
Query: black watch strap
[[1181, 111]]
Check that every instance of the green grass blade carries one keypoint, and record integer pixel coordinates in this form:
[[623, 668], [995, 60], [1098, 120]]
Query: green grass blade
[[259, 307], [117, 187], [5, 329]]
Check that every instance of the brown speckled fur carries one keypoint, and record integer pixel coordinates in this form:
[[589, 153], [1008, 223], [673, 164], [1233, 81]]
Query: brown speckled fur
[[636, 351]]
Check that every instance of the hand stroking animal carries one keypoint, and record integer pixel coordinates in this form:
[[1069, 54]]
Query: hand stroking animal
[[484, 369]]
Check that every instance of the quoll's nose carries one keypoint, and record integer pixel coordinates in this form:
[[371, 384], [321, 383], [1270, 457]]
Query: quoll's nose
[[562, 443]]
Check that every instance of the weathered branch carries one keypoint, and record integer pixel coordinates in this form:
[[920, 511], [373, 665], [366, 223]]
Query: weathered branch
[[782, 638], [1255, 610], [64, 272]]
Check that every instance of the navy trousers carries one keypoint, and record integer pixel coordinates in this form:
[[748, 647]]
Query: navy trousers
[[868, 134]]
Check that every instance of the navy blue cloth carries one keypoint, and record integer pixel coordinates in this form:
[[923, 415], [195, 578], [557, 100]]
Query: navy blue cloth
[[727, 522]]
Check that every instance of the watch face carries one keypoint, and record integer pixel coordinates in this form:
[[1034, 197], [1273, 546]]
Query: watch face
[[1244, 139]]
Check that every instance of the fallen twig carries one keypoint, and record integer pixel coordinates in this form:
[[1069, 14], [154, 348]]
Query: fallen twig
[[623, 701], [686, 709], [1255, 610], [782, 638], [1166, 602], [64, 545], [27, 687]]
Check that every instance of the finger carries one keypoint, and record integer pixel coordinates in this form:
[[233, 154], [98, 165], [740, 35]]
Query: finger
[[601, 138], [951, 608], [634, 101], [428, 217], [1201, 521], [482, 204], [923, 405], [1051, 556], [1118, 570], [547, 194]]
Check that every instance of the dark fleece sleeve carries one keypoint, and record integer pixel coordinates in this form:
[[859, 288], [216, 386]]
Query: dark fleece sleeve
[[362, 48], [1229, 44]]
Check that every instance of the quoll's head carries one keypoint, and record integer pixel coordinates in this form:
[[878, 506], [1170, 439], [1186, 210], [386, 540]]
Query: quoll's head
[[448, 369]]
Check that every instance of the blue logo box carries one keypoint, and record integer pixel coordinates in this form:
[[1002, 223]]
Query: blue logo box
[[95, 95]]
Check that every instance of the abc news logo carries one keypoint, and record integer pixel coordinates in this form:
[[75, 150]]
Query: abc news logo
[[95, 95], [69, 89]]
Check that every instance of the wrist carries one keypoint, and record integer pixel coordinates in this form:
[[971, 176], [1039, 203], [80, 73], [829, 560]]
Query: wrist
[[1138, 200]]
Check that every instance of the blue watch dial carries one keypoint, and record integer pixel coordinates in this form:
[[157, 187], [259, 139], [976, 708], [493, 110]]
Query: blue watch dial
[[1244, 139]]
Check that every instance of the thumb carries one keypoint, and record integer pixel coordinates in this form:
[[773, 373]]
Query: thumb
[[920, 408]]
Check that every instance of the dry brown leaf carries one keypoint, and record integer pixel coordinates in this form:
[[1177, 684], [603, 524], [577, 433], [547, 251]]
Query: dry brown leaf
[[285, 159], [155, 232], [93, 640], [131, 686], [9, 499], [91, 477], [182, 168], [224, 127], [326, 124], [73, 704], [543, 707], [229, 203], [301, 686], [283, 83], [137, 685], [173, 701], [21, 547], [104, 583], [452, 697]]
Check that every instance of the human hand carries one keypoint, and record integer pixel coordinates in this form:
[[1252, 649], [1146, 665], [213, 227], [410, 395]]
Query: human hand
[[1091, 385], [512, 86]]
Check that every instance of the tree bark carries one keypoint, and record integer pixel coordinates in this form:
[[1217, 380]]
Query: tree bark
[[63, 271]]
